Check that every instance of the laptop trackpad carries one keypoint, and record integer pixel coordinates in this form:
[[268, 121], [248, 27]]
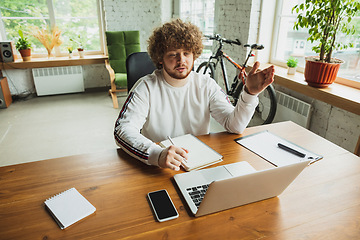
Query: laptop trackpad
[[239, 168], [215, 174]]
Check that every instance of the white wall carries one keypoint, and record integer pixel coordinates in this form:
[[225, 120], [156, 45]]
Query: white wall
[[336, 125], [21, 81]]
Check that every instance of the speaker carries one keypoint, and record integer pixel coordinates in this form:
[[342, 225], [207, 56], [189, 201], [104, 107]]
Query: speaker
[[5, 95], [7, 51]]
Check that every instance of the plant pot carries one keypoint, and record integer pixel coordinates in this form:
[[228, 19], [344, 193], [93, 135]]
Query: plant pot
[[25, 54], [319, 74], [291, 70], [81, 52], [70, 55]]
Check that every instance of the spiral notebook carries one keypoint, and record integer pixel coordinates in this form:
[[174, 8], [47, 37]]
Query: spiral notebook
[[69, 207]]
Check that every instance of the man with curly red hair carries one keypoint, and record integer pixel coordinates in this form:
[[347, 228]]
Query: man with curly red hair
[[174, 100]]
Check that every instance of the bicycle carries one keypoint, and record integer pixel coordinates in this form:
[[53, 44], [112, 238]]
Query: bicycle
[[262, 114]]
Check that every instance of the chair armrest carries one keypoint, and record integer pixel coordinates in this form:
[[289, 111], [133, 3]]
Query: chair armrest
[[110, 70]]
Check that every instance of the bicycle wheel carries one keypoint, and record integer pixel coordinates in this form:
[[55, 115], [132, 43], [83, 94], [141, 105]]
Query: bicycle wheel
[[265, 110], [207, 68]]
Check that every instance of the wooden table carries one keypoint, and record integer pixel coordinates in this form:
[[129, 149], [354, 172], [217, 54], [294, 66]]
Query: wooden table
[[322, 203]]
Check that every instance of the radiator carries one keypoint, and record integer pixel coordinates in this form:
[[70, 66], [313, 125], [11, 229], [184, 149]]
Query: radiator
[[58, 80], [288, 108]]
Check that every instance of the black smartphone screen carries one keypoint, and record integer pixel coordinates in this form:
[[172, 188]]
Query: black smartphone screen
[[162, 205]]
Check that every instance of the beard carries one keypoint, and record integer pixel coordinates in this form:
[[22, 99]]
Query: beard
[[176, 74]]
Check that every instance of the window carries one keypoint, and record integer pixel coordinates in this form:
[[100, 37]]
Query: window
[[73, 17], [201, 13], [289, 42]]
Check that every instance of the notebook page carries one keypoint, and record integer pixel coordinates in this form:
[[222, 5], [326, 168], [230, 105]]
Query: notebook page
[[200, 155], [69, 207]]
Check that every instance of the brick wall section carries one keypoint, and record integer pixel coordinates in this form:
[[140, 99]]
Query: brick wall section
[[237, 19], [332, 123], [129, 15], [240, 19]]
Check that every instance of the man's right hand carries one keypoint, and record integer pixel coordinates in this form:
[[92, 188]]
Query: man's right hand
[[172, 157]]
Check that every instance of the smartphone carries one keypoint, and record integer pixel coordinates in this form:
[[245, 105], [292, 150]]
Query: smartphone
[[162, 205]]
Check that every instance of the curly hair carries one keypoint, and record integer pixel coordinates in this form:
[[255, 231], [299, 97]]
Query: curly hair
[[175, 34]]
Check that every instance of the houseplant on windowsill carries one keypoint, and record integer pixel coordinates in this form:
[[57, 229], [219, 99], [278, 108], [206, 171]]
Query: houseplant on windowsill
[[70, 50], [81, 52], [80, 47], [325, 20], [292, 64], [23, 46], [50, 38]]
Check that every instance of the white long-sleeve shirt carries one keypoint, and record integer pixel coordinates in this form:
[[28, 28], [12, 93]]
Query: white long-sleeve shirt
[[154, 110]]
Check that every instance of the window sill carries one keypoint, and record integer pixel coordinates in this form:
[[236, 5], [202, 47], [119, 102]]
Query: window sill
[[55, 62], [338, 95]]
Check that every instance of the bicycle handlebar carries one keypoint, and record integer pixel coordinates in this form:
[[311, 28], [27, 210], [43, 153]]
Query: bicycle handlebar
[[255, 46], [218, 38]]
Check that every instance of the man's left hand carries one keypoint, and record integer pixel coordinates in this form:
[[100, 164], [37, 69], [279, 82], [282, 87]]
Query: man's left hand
[[256, 82]]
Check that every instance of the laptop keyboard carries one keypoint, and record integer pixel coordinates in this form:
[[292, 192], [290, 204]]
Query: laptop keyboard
[[197, 193]]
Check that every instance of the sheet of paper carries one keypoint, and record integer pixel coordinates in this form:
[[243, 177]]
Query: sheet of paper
[[265, 144]]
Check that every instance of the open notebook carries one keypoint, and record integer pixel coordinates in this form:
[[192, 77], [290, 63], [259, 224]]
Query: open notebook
[[69, 207], [200, 154]]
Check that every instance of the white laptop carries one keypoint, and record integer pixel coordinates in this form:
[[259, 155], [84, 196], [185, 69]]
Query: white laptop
[[215, 189]]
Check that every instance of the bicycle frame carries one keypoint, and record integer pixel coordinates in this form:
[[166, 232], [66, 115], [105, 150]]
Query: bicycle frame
[[237, 85], [219, 56]]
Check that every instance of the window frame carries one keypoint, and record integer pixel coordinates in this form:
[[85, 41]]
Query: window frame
[[52, 19], [275, 36]]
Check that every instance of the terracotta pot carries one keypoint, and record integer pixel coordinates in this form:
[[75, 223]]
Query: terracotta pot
[[319, 74], [25, 54]]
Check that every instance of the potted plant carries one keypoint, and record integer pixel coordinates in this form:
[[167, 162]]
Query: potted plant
[[23, 46], [292, 64], [80, 47], [325, 19], [81, 52], [70, 50], [49, 37]]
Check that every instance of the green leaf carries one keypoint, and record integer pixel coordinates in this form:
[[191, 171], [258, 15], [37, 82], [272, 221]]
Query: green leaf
[[21, 34]]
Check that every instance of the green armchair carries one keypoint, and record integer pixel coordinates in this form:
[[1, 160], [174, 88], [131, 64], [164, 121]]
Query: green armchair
[[120, 45]]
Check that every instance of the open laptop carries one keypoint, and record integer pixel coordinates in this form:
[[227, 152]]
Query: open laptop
[[215, 189]]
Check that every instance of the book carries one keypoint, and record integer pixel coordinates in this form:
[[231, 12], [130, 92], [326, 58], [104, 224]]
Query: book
[[276, 150], [69, 207], [200, 155]]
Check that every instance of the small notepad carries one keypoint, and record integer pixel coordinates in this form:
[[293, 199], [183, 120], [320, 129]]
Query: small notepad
[[69, 207]]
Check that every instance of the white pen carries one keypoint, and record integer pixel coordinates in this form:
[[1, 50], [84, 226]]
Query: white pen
[[172, 143]]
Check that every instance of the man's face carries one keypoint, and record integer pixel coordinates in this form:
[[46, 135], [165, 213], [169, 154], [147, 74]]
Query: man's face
[[178, 63]]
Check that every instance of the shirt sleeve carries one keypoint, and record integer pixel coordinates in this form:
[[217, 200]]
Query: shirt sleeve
[[233, 119], [128, 126]]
